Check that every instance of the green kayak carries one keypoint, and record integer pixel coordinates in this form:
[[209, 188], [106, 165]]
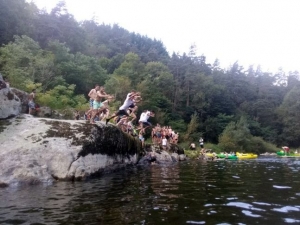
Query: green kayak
[[226, 156], [287, 154]]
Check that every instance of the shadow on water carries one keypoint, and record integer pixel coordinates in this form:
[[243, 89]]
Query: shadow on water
[[262, 191]]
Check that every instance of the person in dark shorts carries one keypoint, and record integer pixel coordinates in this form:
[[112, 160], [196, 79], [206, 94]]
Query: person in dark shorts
[[123, 109]]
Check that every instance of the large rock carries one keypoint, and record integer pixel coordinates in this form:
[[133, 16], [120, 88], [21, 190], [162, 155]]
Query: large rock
[[23, 96], [10, 104], [44, 111], [155, 154], [35, 150]]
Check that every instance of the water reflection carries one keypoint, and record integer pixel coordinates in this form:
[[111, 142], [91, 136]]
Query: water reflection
[[261, 191]]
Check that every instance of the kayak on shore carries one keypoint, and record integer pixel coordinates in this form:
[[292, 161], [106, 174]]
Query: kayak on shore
[[246, 155], [287, 154], [231, 156]]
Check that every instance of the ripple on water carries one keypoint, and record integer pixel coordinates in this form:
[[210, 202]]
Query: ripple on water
[[289, 220], [249, 213], [286, 209], [232, 198], [244, 206], [261, 203], [195, 222], [281, 187]]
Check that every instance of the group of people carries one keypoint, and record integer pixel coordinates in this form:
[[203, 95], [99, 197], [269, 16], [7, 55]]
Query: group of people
[[164, 135], [99, 108], [126, 117]]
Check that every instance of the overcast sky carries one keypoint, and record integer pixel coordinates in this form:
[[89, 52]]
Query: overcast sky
[[252, 32]]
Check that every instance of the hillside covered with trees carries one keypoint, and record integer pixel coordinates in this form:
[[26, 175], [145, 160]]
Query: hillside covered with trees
[[243, 109]]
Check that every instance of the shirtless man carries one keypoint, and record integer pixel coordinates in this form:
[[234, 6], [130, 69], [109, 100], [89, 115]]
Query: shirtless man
[[31, 103], [99, 107], [93, 94], [96, 93]]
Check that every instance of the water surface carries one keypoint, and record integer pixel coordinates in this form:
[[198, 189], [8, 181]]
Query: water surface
[[262, 191]]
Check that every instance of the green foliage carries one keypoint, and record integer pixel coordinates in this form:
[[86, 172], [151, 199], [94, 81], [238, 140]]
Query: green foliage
[[62, 97], [258, 145], [213, 147], [192, 154], [119, 86], [289, 111], [236, 137], [214, 126], [178, 125], [192, 127], [132, 68]]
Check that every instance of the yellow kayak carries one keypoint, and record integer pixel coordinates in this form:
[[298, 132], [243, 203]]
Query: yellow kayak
[[246, 155], [209, 155]]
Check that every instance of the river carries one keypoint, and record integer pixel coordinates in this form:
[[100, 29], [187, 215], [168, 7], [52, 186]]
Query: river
[[261, 191]]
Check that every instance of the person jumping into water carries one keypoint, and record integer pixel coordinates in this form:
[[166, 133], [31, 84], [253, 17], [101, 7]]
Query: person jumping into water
[[123, 109]]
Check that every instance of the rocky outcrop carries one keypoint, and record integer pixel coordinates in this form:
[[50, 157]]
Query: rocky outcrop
[[155, 154], [10, 104], [35, 150], [23, 96]]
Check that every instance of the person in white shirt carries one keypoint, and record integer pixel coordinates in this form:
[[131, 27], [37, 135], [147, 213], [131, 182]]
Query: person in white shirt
[[144, 119], [164, 143], [123, 109], [201, 142]]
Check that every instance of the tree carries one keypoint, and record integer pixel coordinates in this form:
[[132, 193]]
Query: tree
[[132, 67], [17, 18], [236, 137], [289, 112], [23, 61], [192, 127]]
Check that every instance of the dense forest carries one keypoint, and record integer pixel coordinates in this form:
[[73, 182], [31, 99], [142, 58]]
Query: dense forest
[[243, 109]]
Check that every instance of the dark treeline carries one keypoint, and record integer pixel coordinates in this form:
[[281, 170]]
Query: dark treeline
[[64, 59]]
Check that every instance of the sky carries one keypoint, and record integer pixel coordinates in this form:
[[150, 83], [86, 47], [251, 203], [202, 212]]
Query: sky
[[251, 32]]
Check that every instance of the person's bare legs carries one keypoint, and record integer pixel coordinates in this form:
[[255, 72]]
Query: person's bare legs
[[94, 113]]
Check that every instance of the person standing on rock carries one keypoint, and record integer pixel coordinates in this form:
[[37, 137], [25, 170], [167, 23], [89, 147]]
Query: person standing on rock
[[96, 95], [141, 137], [93, 94], [201, 142], [164, 143], [31, 103]]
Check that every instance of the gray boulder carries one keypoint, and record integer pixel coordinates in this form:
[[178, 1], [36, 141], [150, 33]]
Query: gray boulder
[[23, 96], [44, 111], [155, 154], [35, 150], [10, 104]]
